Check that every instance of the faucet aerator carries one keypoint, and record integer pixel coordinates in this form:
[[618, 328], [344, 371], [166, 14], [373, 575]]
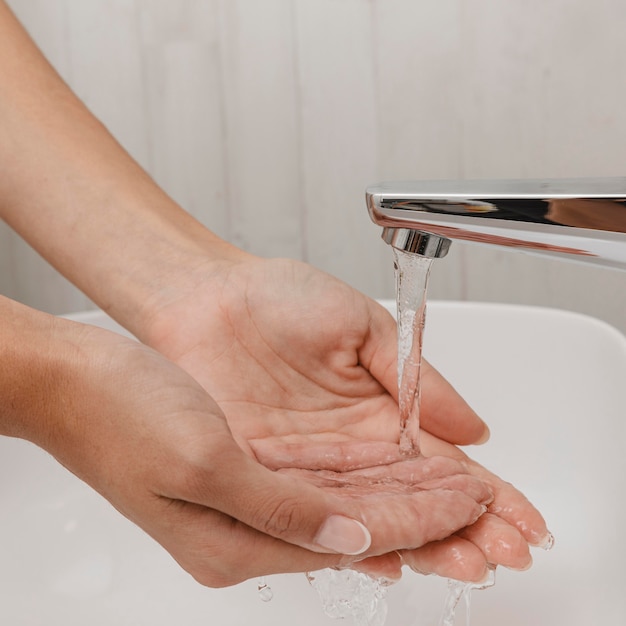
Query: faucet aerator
[[419, 242]]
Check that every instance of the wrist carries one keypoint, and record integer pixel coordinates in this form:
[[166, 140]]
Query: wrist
[[39, 362], [174, 259]]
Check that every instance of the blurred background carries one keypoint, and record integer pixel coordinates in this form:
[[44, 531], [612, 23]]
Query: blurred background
[[266, 119]]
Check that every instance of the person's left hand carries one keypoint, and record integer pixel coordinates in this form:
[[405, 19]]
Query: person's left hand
[[304, 368]]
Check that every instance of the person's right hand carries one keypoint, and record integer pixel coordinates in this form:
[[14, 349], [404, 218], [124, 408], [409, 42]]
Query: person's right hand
[[144, 434]]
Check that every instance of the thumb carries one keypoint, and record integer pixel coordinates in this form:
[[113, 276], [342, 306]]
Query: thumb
[[444, 413], [284, 507]]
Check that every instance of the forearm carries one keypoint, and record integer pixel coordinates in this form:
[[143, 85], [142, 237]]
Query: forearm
[[79, 199], [38, 362]]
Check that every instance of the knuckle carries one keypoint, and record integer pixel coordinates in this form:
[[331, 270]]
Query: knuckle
[[281, 516]]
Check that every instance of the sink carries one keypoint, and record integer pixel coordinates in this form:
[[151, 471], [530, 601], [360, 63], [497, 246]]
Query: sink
[[551, 385]]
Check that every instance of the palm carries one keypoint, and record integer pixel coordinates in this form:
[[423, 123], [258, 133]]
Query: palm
[[304, 369], [292, 356]]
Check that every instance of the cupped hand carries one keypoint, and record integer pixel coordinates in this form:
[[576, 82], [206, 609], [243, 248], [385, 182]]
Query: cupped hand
[[150, 439], [502, 536], [278, 343], [304, 368]]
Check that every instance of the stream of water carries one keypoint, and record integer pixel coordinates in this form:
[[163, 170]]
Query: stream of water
[[350, 594], [459, 590], [412, 272]]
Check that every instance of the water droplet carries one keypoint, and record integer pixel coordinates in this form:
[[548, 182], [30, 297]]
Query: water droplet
[[548, 544], [265, 591]]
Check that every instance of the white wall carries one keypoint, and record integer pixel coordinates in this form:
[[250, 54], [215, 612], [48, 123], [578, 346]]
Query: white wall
[[267, 119]]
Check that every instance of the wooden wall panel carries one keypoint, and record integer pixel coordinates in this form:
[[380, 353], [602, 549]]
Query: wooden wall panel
[[340, 148], [259, 100], [267, 120], [181, 72]]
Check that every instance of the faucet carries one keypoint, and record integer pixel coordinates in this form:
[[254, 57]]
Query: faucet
[[576, 219]]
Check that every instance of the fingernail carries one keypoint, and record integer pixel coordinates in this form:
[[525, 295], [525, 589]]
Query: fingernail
[[484, 437], [490, 578], [343, 535], [548, 542], [483, 509], [522, 568], [387, 581], [545, 542]]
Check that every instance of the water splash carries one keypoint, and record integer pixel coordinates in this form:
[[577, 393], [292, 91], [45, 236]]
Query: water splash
[[348, 594]]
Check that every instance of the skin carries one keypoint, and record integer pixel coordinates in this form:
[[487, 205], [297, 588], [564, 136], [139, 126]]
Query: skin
[[243, 433], [332, 406], [148, 437]]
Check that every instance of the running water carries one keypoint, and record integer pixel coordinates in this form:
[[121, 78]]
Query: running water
[[346, 593], [457, 591], [412, 272]]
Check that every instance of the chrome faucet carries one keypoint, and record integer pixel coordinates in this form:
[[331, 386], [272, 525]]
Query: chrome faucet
[[578, 219]]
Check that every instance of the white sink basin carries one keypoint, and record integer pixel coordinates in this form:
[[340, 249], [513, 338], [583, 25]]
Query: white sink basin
[[552, 386]]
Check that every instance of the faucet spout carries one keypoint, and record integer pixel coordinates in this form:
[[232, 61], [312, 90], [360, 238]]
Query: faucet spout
[[418, 242], [582, 219]]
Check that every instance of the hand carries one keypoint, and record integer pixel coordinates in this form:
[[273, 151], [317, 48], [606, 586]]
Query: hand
[[143, 433], [500, 537], [140, 430], [304, 368], [273, 340]]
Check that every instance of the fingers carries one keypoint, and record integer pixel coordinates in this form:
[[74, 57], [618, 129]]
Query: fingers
[[364, 488], [444, 413], [387, 567], [368, 523], [395, 470], [501, 543], [453, 557], [219, 551], [468, 555], [273, 503], [336, 456], [410, 521], [513, 507], [281, 524], [509, 504], [414, 472], [498, 538]]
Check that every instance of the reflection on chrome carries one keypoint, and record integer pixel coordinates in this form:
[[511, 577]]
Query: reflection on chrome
[[581, 219]]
